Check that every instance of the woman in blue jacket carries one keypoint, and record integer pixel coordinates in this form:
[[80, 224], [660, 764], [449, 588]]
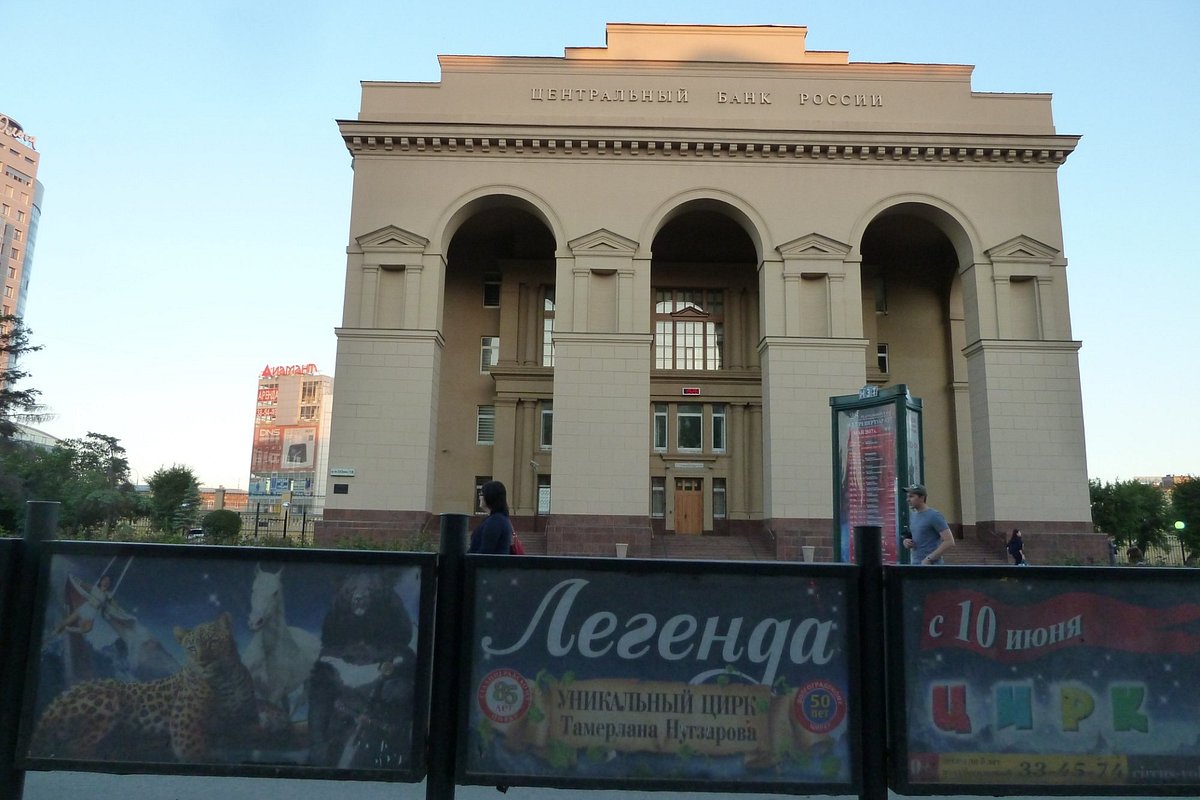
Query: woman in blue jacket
[[494, 534]]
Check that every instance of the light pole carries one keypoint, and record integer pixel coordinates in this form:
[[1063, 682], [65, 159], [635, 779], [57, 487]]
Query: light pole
[[1179, 526]]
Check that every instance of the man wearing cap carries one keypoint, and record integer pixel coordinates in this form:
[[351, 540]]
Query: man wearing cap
[[928, 534]]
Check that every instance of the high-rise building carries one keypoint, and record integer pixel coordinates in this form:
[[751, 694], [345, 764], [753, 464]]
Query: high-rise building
[[20, 208], [628, 280], [288, 458]]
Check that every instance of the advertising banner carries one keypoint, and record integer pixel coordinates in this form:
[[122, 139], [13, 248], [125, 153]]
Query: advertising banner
[[233, 661], [588, 673], [1019, 678], [869, 477]]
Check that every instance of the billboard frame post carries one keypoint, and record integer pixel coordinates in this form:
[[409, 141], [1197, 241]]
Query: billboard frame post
[[41, 524], [873, 686], [443, 730]]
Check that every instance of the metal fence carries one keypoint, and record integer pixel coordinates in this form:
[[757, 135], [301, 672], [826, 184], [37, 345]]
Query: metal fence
[[262, 525]]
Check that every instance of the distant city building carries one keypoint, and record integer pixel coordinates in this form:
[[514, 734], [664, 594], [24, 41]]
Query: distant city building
[[232, 499], [288, 457], [35, 437], [20, 208]]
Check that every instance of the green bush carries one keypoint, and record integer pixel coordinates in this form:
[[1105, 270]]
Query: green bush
[[222, 526]]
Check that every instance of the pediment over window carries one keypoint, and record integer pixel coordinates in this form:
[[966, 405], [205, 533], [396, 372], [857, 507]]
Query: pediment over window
[[814, 245], [1023, 248], [390, 239], [691, 312], [602, 242]]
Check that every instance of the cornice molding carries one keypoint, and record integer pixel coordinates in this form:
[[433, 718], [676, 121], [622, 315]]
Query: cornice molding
[[391, 139]]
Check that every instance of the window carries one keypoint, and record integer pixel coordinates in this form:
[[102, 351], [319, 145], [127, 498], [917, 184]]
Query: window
[[690, 423], [12, 272], [689, 328], [4, 210], [14, 254], [718, 428], [20, 216], [543, 497], [17, 235], [480, 480], [485, 425], [881, 357], [308, 412], [660, 426], [658, 497], [8, 291], [489, 353], [547, 428], [719, 509], [491, 291], [308, 391], [548, 327]]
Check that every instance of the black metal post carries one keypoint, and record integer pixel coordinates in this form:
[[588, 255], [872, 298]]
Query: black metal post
[[41, 523], [443, 723], [285, 520], [869, 555], [257, 509], [303, 523]]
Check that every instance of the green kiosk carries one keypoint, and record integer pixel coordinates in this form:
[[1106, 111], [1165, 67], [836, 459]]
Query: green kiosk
[[876, 451]]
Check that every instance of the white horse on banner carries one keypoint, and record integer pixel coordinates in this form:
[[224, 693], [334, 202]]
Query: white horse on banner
[[279, 656]]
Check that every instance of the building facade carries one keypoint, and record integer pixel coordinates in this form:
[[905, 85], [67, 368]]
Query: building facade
[[627, 281], [20, 210], [289, 456]]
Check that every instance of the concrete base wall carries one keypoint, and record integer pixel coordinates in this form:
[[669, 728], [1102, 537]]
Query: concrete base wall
[[597, 535]]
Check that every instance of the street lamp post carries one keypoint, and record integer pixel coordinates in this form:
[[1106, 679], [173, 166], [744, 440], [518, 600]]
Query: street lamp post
[[1179, 526]]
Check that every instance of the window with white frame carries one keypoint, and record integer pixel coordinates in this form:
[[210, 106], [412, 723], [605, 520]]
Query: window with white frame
[[660, 426], [689, 422], [658, 497], [485, 425], [689, 328], [548, 327], [881, 357], [543, 495], [718, 428], [547, 427], [718, 499], [489, 353]]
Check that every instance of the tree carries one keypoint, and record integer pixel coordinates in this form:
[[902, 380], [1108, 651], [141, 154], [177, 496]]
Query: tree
[[174, 498], [1134, 513], [16, 405], [222, 525], [1185, 507], [99, 493], [89, 477]]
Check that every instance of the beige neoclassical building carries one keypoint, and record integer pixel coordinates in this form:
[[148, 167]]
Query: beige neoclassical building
[[627, 281]]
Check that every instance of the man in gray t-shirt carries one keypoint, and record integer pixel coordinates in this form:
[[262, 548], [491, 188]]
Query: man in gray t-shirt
[[928, 534]]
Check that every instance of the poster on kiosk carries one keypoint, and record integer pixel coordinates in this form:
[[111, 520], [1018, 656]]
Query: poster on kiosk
[[877, 449]]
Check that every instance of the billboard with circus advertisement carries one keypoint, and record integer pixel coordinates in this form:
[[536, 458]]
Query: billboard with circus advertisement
[[614, 674], [1005, 679], [230, 661]]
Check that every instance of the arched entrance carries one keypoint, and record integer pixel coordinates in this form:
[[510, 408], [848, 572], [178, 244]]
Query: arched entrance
[[705, 382], [495, 389], [913, 323]]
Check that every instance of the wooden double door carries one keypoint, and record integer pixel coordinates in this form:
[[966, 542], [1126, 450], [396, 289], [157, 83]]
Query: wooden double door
[[689, 505]]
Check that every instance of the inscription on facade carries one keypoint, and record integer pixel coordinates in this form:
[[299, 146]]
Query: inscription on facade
[[609, 95], [722, 97]]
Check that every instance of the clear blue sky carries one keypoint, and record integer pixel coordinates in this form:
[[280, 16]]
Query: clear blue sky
[[198, 194]]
